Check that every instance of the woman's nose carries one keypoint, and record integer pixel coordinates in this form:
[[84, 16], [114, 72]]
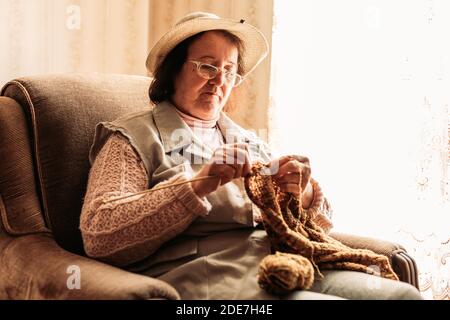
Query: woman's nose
[[219, 79]]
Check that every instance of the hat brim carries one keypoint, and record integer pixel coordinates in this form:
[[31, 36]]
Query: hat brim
[[256, 46]]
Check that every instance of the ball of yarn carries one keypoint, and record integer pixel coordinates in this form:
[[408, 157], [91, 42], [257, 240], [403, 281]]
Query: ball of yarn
[[281, 273]]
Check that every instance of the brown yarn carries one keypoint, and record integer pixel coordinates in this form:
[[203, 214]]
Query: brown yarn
[[291, 232], [283, 272]]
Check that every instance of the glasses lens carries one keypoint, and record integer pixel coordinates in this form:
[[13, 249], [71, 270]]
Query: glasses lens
[[207, 71]]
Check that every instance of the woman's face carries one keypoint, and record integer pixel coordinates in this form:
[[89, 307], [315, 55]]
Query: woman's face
[[200, 97]]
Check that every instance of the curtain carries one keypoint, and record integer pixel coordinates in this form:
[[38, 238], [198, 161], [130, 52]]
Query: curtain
[[55, 36], [361, 87]]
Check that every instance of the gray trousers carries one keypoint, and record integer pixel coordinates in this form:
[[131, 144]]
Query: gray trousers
[[342, 284], [225, 266]]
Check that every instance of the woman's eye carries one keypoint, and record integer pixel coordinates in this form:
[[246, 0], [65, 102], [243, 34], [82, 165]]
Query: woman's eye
[[208, 68]]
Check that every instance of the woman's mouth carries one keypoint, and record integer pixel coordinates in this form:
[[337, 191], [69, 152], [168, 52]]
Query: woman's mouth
[[212, 94]]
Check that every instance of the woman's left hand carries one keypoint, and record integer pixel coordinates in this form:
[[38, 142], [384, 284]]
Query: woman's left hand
[[292, 174]]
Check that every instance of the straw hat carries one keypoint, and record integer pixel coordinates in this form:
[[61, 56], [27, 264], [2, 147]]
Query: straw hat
[[255, 43]]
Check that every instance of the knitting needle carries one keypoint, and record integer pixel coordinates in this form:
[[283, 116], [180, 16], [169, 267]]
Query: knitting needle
[[160, 188]]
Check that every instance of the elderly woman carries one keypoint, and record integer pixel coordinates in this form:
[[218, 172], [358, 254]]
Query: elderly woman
[[201, 232]]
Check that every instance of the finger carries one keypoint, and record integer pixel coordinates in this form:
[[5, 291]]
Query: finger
[[241, 163], [289, 178], [243, 159], [290, 167], [290, 187], [246, 169], [224, 155], [237, 170], [304, 181], [301, 159], [276, 164], [240, 159], [215, 183], [245, 162], [237, 154], [305, 169], [224, 171], [295, 167]]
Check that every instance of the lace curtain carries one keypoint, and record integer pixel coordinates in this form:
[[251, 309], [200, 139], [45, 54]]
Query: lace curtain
[[361, 87], [427, 236]]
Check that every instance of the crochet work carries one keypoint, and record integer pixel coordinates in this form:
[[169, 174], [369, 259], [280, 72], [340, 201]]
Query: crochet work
[[300, 244]]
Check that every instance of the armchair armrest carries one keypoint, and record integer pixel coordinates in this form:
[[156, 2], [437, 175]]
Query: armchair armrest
[[35, 267], [402, 263]]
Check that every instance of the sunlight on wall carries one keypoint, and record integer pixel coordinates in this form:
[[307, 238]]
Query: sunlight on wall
[[361, 88]]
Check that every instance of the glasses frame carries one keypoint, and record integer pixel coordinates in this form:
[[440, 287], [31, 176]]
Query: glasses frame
[[236, 77]]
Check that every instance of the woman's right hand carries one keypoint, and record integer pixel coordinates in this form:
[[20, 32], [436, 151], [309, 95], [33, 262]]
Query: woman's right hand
[[229, 162]]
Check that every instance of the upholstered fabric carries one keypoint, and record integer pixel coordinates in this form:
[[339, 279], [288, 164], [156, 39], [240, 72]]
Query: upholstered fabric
[[20, 208], [35, 267], [62, 111], [403, 264]]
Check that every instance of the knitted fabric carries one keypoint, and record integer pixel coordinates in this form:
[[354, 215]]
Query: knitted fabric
[[283, 272], [300, 244]]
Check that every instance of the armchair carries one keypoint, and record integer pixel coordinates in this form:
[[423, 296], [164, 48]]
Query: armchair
[[47, 124]]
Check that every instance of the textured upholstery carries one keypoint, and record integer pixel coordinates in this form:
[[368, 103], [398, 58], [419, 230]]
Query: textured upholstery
[[20, 207], [403, 264], [45, 275], [62, 111]]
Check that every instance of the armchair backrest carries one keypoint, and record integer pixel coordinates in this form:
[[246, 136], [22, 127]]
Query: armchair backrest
[[47, 126]]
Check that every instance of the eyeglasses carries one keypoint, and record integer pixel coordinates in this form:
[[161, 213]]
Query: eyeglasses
[[207, 71]]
